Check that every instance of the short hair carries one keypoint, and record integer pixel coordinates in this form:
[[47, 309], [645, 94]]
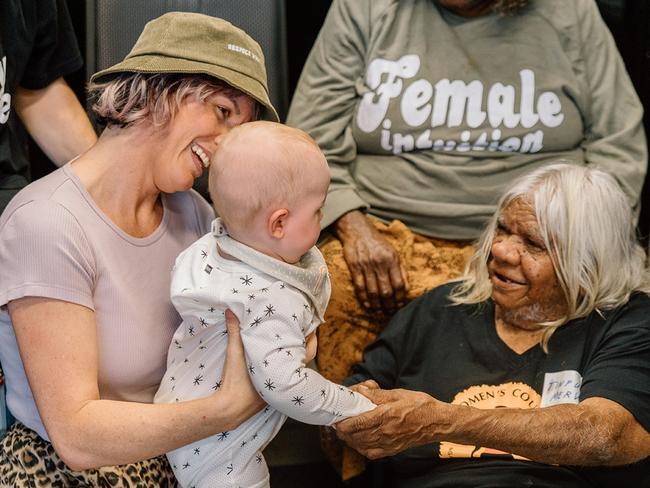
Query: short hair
[[130, 98], [587, 225], [278, 171]]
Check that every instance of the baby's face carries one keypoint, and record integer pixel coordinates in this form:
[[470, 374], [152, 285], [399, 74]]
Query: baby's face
[[303, 224]]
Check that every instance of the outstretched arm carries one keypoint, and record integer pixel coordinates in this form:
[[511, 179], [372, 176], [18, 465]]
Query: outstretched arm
[[596, 431], [273, 332]]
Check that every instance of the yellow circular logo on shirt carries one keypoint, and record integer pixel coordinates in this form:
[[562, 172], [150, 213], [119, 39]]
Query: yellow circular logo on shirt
[[507, 395]]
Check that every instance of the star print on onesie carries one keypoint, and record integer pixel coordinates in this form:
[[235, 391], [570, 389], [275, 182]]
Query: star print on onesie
[[278, 305]]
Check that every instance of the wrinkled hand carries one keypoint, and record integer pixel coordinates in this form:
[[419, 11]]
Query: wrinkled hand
[[402, 419], [236, 383], [377, 273]]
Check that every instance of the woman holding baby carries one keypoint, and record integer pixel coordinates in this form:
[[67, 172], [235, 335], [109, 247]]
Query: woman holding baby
[[86, 254]]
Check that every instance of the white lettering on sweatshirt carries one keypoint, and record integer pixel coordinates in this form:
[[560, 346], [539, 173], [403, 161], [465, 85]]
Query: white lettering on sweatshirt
[[455, 103]]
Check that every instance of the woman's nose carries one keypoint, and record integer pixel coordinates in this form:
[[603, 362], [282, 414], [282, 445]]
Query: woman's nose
[[223, 131], [507, 249]]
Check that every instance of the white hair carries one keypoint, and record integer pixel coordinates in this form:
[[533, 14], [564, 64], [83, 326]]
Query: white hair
[[588, 228]]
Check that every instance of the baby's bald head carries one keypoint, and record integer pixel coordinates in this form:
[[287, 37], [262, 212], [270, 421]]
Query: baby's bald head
[[260, 166]]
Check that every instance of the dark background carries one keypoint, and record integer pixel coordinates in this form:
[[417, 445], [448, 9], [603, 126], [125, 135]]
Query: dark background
[[629, 21]]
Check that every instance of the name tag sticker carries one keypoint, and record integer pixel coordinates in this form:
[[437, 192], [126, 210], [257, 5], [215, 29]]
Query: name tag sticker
[[561, 387]]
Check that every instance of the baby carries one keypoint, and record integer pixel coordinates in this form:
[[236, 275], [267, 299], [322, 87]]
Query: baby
[[268, 183]]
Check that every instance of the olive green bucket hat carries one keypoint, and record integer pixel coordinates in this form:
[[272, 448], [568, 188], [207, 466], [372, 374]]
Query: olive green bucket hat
[[186, 42]]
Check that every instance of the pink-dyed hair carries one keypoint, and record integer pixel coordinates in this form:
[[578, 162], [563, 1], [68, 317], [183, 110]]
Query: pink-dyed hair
[[130, 98]]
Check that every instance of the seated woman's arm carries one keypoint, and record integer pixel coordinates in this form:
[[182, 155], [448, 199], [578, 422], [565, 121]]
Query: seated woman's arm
[[597, 431], [323, 106], [58, 347], [614, 138]]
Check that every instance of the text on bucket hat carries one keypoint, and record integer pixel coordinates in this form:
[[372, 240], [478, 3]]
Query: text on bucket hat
[[192, 43]]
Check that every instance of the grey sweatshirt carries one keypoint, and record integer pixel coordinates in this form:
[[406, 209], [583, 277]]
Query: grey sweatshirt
[[427, 117]]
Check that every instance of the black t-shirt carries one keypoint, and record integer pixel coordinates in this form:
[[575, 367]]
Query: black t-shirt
[[37, 46], [453, 353]]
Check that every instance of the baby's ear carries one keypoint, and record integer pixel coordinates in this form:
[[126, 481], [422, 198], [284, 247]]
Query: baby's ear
[[277, 223]]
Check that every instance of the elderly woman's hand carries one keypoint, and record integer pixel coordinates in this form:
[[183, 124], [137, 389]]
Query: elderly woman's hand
[[402, 419], [236, 383], [377, 273]]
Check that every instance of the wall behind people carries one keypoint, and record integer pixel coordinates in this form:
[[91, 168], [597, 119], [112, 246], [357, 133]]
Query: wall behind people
[[629, 21]]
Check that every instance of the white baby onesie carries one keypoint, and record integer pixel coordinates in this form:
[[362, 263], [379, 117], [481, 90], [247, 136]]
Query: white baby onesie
[[278, 305]]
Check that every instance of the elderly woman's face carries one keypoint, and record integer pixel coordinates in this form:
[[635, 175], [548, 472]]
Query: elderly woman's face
[[525, 288]]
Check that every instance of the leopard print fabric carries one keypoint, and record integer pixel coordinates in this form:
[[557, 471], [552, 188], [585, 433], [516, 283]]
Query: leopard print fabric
[[27, 461]]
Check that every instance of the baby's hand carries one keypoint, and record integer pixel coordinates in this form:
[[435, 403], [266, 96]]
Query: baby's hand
[[310, 347], [365, 386]]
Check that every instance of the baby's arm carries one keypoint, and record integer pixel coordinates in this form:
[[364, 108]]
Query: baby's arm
[[273, 331]]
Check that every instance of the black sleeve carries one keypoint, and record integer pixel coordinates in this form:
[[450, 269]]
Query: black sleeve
[[620, 370], [379, 363], [383, 359], [55, 52]]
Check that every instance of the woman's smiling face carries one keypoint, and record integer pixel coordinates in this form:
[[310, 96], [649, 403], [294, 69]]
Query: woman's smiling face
[[191, 138], [525, 288]]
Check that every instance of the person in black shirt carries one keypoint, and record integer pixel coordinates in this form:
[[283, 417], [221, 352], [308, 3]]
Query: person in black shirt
[[37, 48], [534, 369]]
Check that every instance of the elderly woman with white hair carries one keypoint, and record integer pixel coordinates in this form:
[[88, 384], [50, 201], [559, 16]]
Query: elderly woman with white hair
[[535, 368]]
